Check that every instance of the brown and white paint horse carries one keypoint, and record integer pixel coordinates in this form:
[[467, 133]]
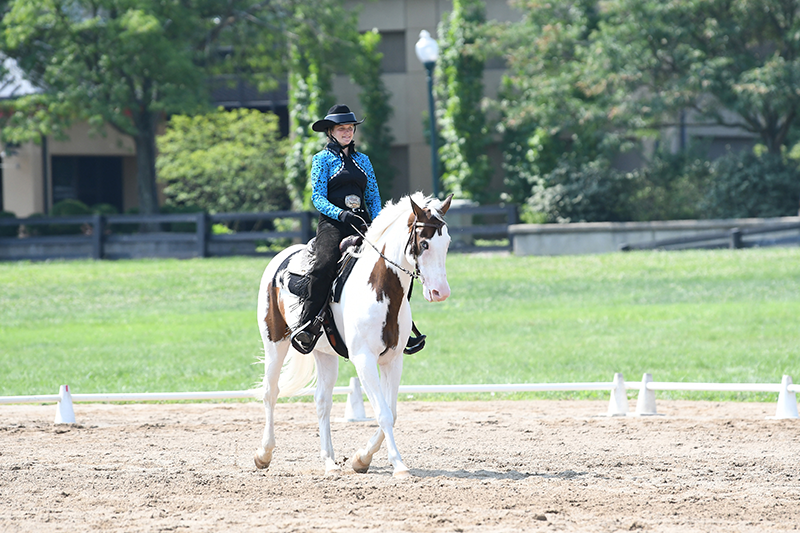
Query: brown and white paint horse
[[373, 317]]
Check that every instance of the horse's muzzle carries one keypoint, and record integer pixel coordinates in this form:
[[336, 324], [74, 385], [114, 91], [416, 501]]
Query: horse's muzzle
[[438, 294]]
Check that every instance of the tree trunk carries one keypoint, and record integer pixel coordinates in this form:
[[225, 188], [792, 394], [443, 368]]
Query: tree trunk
[[146, 163]]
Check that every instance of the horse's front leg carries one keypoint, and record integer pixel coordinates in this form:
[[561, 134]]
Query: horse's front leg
[[390, 385], [327, 370], [382, 394], [274, 355]]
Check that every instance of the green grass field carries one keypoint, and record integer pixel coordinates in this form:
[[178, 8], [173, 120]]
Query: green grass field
[[183, 325]]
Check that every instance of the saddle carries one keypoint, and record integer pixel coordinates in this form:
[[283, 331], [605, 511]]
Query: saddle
[[296, 281]]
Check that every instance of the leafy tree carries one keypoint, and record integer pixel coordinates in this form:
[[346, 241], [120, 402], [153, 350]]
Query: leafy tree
[[313, 63], [459, 88], [314, 53], [309, 98], [130, 63], [223, 161], [375, 135], [736, 63], [547, 109]]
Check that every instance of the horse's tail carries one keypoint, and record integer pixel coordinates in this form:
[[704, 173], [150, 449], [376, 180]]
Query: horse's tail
[[298, 372]]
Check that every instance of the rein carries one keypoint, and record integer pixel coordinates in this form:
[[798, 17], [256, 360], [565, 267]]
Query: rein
[[414, 275], [412, 243]]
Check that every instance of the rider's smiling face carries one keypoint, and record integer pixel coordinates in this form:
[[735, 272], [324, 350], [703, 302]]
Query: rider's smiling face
[[343, 133]]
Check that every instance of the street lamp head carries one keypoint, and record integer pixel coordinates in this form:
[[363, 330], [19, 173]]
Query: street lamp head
[[427, 48]]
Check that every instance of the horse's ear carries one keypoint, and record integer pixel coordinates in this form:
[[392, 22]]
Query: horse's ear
[[446, 204], [418, 211]]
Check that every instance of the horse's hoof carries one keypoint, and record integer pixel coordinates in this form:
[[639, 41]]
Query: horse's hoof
[[333, 472], [262, 463], [360, 466], [402, 474]]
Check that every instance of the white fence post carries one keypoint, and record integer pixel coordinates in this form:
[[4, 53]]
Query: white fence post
[[646, 403], [787, 400], [64, 412], [354, 410], [618, 405]]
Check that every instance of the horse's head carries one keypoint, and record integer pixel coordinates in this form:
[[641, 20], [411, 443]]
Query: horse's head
[[427, 247]]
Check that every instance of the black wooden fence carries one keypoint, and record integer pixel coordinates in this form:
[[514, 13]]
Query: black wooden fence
[[191, 235]]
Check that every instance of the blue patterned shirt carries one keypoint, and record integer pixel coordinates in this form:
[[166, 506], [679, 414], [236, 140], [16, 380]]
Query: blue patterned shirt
[[329, 164]]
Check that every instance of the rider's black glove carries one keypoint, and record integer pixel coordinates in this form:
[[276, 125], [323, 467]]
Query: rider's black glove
[[351, 219]]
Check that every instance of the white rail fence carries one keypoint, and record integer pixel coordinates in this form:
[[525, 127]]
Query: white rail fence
[[354, 409]]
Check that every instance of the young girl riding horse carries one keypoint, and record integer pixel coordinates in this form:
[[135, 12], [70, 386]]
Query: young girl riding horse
[[345, 192]]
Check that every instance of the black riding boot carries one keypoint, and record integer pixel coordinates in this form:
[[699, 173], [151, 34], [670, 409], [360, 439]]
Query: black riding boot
[[307, 335], [310, 329], [320, 278]]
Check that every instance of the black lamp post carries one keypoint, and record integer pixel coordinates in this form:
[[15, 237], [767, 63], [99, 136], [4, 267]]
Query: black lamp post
[[428, 52]]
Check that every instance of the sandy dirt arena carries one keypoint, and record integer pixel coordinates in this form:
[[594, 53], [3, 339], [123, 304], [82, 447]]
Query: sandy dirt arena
[[477, 466]]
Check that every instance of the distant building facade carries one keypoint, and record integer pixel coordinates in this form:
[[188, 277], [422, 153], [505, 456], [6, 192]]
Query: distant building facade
[[102, 169]]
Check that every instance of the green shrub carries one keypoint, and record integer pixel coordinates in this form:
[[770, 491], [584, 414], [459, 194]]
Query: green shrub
[[224, 161], [104, 209], [670, 187], [66, 208], [8, 231], [748, 185], [592, 192]]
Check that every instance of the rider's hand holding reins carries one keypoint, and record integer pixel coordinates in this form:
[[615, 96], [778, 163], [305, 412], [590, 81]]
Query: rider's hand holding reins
[[350, 218]]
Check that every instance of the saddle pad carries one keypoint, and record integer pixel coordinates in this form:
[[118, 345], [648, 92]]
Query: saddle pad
[[297, 285], [301, 262], [348, 262]]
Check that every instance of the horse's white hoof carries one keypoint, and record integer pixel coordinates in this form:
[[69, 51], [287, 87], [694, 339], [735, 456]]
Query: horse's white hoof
[[262, 460], [402, 474], [333, 472], [360, 466]]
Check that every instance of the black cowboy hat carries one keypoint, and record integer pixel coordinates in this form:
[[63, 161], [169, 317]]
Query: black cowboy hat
[[338, 114]]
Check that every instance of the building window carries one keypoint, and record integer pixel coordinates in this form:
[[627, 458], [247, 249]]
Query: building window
[[91, 179], [393, 48], [231, 92]]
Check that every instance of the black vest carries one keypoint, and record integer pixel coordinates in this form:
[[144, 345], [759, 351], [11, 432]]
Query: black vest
[[349, 180]]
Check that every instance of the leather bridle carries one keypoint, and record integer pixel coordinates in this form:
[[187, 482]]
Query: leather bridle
[[414, 236]]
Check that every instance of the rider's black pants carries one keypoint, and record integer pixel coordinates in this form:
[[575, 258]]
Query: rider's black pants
[[330, 233]]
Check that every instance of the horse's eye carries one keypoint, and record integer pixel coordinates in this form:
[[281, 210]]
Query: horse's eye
[[423, 245]]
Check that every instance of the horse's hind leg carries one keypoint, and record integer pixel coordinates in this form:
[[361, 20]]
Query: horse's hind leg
[[274, 355], [327, 370]]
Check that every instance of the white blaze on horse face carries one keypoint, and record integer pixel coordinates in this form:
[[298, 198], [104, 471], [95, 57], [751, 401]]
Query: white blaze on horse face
[[432, 267]]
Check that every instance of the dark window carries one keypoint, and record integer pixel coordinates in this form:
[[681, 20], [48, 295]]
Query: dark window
[[92, 180], [393, 48], [232, 92], [720, 146]]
